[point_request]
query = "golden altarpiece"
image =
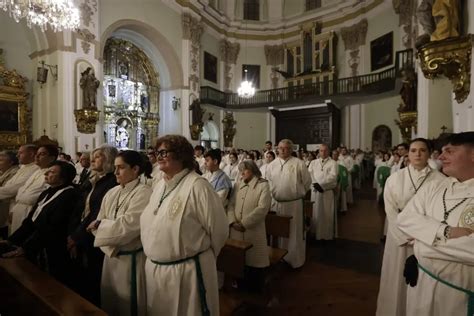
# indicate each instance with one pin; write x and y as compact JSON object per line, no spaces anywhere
{"x":310,"y":61}
{"x":131,"y":96}
{"x":15,"y":118}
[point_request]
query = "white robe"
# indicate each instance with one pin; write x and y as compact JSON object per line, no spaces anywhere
{"x":10,"y":188}
{"x":451,"y":260}
{"x":222,"y":193}
{"x":263,"y":170}
{"x":324,"y":221}
{"x":5,"y":203}
{"x":119,"y":231}
{"x":232,"y":171}
{"x":289,"y":182}
{"x":398,"y":191}
{"x":26,"y":198}
{"x":191,"y":220}
{"x":348,"y":162}
{"x":156,"y":175}
{"x":202,"y":164}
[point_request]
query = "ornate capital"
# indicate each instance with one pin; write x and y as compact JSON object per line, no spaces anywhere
{"x":354,"y":36}
{"x":452,"y":58}
{"x":192,"y":28}
{"x":274,"y":54}
{"x":229,"y":51}
{"x":405,"y":10}
{"x":87,"y":38}
{"x":86,"y":120}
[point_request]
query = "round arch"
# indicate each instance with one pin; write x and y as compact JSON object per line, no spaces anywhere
{"x":160,"y":43}
{"x":381,"y":138}
{"x":210,"y":135}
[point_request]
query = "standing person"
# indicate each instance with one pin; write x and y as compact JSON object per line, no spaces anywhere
{"x":324,"y":176}
{"x":30,"y":191}
{"x":183,"y":229}
{"x":232,"y":168}
{"x":440,"y":219}
{"x":346,"y":160}
{"x":117,"y":233}
{"x":268,"y":147}
{"x":8,"y":168}
{"x":289,"y":181}
{"x":80,"y":242}
{"x":399,"y":189}
{"x":269,"y":157}
{"x":82,"y":177}
{"x":42,"y":235}
{"x":198,"y":154}
{"x":156,"y":173}
{"x":219,"y":181}
{"x":248,"y":208}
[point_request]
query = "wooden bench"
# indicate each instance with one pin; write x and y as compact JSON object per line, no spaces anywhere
{"x":276,"y":226}
{"x":26,"y":290}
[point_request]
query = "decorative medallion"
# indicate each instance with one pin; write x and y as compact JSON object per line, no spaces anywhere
{"x":467,"y":217}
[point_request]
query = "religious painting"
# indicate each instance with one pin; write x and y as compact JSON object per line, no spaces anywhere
{"x":252,"y":75}
{"x":381,"y":52}
{"x":9,"y":116}
{"x":381,"y":138}
{"x":210,"y":67}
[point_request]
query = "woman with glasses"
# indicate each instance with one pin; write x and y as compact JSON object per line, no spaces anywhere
{"x":117,"y":233}
{"x":183,"y":228}
{"x":399,"y":189}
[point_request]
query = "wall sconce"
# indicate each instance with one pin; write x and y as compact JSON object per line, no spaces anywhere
{"x":175,"y":103}
{"x":42,"y":72}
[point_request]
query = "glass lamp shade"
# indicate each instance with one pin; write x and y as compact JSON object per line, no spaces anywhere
{"x":246,"y":90}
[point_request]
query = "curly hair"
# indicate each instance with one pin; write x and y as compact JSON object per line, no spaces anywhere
{"x":180,"y":147}
{"x":109,"y":153}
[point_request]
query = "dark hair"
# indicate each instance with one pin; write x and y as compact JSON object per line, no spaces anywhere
{"x":458,"y":139}
{"x":134,"y":158}
{"x":257,"y":154}
{"x":234,"y":154}
{"x":52,"y":150}
{"x":404,"y":145}
{"x":180,"y":147}
{"x":268,"y":142}
{"x":199,"y":147}
{"x":11,"y":156}
{"x":271,"y":153}
{"x":215,"y":154}
{"x":422,"y":140}
{"x":67,"y":172}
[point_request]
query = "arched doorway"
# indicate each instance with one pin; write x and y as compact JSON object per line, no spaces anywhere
{"x":210,"y":135}
{"x":381,"y":138}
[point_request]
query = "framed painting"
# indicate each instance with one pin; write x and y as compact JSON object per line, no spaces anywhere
{"x":210,"y":67}
{"x":14,"y":126}
{"x":381,"y":52}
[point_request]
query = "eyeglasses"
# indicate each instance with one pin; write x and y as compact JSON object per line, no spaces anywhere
{"x":163,"y":153}
{"x":151,"y":153}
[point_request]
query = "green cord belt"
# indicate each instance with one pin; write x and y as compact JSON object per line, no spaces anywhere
{"x":202,"y":289}
{"x":133,"y":282}
{"x":470,"y":304}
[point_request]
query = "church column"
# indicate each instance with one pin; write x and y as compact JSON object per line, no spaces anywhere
{"x":274,"y":55}
{"x":354,"y":37}
{"x":463,"y":113}
{"x":229,"y":53}
{"x":191,"y":43}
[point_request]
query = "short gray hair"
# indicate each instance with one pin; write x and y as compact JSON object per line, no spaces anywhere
{"x":250,"y":165}
{"x":288,"y":142}
{"x":109,"y":153}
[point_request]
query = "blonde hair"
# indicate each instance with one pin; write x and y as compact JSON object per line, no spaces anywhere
{"x":109,"y":153}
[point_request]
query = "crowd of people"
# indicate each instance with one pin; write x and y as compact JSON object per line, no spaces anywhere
{"x":139,"y":233}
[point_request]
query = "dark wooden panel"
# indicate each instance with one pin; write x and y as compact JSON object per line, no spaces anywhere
{"x":309,"y":126}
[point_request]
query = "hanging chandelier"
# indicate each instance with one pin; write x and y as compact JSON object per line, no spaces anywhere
{"x":246,"y":90}
{"x":59,"y":15}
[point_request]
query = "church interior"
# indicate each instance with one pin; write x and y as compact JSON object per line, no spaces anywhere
{"x":366,"y":75}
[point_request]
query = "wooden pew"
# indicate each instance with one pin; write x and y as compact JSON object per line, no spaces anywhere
{"x":276,"y":226}
{"x":26,"y":290}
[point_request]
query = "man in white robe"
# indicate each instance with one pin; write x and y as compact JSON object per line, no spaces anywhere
{"x":28,"y":194}
{"x":399,"y":189}
{"x":440,"y":218}
{"x":26,"y":158}
{"x":289,"y":181}
{"x":324,"y":176}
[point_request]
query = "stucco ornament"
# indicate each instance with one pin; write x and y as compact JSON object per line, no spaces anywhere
{"x":228,"y":53}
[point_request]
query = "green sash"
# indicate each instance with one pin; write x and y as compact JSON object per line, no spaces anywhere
{"x":383,"y":172}
{"x":470,"y":303}
{"x":343,"y":177}
{"x":133,"y":282}
{"x":201,"y":287}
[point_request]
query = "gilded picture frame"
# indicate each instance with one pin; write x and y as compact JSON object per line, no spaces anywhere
{"x":14,"y":124}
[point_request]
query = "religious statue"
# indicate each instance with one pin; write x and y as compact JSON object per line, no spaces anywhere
{"x":229,"y":129}
{"x":122,"y":136}
{"x":408,"y":91}
{"x":439,"y":19}
{"x":196,"y":113}
{"x":89,"y":85}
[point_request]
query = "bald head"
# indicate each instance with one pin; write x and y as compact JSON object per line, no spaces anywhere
{"x":324,"y":151}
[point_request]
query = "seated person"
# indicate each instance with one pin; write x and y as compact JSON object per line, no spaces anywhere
{"x":42,"y":235}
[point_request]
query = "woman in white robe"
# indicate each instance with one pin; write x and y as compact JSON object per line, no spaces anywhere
{"x":232,"y":168}
{"x":183,"y":229}
{"x":399,"y":189}
{"x":269,"y":157}
{"x":117,"y":233}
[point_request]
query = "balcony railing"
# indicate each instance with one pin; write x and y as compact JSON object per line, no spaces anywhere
{"x":366,"y":84}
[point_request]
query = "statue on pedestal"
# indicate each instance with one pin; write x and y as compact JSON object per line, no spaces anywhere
{"x":89,"y":85}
